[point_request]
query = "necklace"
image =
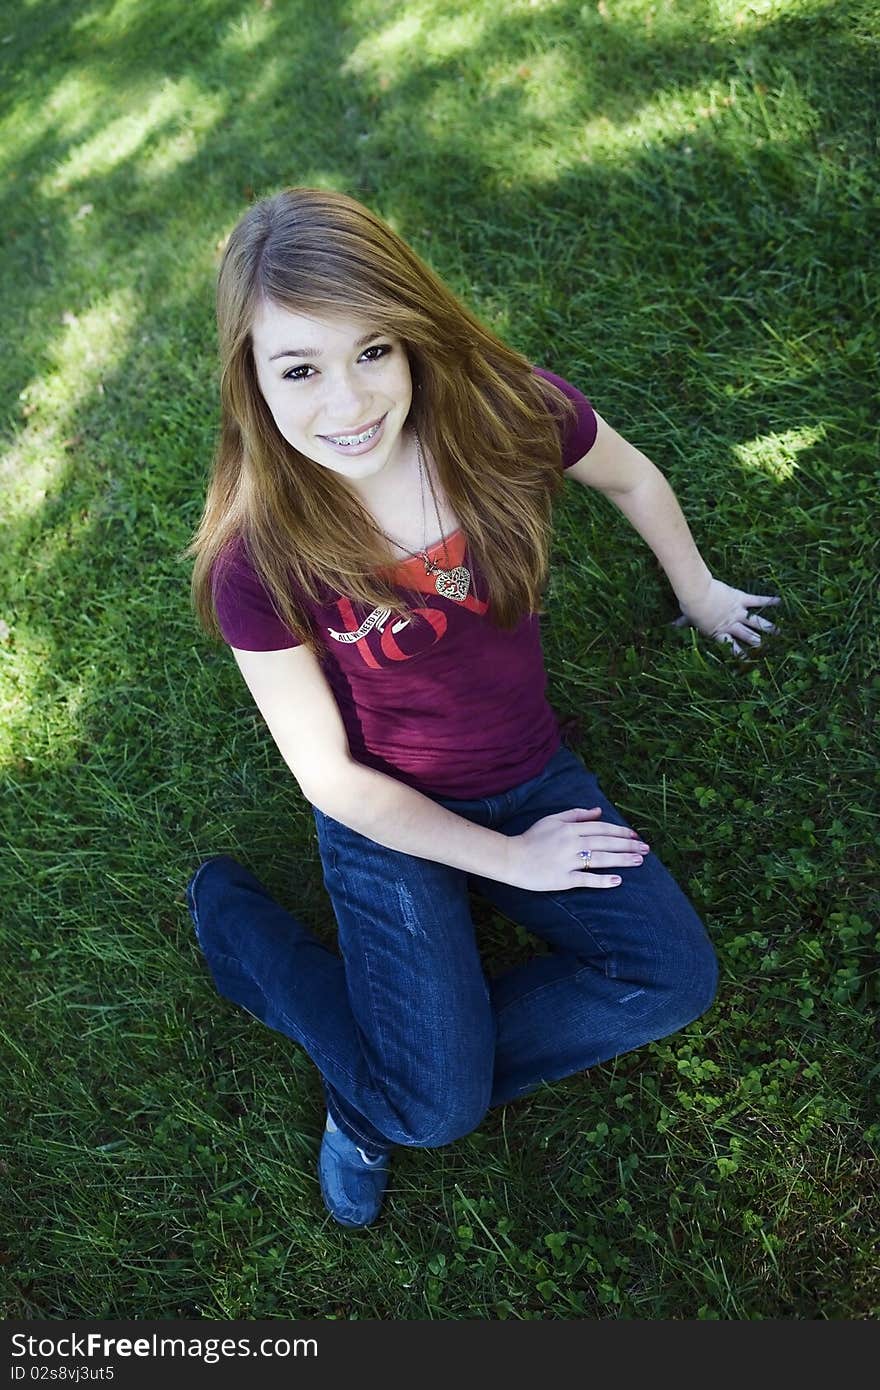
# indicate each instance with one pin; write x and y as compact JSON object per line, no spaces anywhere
{"x":449,"y":583}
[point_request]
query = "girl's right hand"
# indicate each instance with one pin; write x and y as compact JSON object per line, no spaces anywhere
{"x":546,"y":857}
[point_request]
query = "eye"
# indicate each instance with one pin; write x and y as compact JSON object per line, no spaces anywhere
{"x":381,"y":348}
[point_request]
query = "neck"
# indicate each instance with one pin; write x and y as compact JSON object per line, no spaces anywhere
{"x":402,"y":465}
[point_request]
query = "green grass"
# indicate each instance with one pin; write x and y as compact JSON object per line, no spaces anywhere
{"x":673,"y":205}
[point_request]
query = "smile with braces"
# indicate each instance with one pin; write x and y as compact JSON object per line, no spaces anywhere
{"x":350,"y":439}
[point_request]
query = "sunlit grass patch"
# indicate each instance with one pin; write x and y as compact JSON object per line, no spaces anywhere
{"x":85,"y":346}
{"x":776,"y":454}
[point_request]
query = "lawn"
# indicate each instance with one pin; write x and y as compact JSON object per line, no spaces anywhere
{"x":674,"y":206}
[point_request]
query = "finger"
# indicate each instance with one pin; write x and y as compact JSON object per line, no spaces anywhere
{"x":680,"y":622}
{"x":755,"y":620}
{"x":759,"y":599}
{"x":607,"y":830}
{"x":604,"y":852}
{"x":580,"y":880}
{"x":578,"y":813}
{"x":725,"y":637}
{"x":599,"y":860}
{"x":745,"y":634}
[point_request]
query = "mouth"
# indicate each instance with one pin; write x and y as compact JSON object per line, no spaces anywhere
{"x":354,"y":438}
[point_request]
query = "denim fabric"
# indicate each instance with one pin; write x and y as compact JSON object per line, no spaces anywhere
{"x":414,"y":1043}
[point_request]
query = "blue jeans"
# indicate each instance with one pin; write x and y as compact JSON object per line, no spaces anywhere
{"x":414,"y":1043}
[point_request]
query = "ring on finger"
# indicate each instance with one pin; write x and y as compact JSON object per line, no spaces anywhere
{"x":586,"y":855}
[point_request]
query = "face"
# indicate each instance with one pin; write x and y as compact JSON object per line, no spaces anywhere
{"x":328,"y":382}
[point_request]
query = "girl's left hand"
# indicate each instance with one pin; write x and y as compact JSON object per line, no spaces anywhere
{"x":723,"y":613}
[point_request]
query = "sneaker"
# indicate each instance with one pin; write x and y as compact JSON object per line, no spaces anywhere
{"x":352,"y":1185}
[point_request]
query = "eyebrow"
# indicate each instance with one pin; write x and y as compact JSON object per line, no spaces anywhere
{"x":316,"y":352}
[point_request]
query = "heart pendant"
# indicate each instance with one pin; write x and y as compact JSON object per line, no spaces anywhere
{"x":453,"y":583}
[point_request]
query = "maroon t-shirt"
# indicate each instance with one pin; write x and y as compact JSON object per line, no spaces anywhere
{"x":445,"y":702}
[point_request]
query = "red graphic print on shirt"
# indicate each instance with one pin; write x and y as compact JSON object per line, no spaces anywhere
{"x":380,"y":642}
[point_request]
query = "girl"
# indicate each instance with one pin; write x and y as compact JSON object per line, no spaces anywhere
{"x":373,"y":548}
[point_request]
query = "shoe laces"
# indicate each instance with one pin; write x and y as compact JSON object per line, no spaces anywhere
{"x":371,"y":1162}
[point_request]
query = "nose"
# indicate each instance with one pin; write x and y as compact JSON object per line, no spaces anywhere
{"x":344,"y":405}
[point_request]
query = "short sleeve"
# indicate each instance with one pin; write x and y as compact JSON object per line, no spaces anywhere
{"x":245,"y":613}
{"x":578,"y":436}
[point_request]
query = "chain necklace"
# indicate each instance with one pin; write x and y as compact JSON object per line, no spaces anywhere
{"x":450,"y":583}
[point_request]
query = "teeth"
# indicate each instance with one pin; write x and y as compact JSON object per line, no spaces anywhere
{"x":350,"y":439}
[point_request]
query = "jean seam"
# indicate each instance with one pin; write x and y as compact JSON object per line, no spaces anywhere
{"x":380,"y":1096}
{"x":347,"y":1125}
{"x":541,"y":989}
{"x":584,"y":926}
{"x":445,"y":1087}
{"x":376,"y":1015}
{"x":327,"y":853}
{"x":376,"y":1092}
{"x":191,"y":895}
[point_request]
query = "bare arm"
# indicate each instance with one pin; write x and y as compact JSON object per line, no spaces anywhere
{"x":637,"y":488}
{"x":396,"y":815}
{"x":294,"y":698}
{"x":297,"y":704}
{"x":635,"y":485}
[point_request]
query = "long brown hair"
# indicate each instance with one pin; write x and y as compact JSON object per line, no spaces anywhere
{"x":482,"y":415}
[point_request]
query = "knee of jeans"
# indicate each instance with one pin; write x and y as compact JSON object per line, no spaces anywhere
{"x":448,"y":1117}
{"x":695,"y":989}
{"x":207,"y":884}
